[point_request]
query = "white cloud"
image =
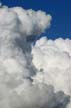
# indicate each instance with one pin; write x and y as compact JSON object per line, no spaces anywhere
{"x":52,"y":58}
{"x":37,"y":76}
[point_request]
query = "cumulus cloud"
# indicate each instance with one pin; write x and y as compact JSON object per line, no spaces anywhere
{"x":55,"y":66}
{"x":32,"y":76}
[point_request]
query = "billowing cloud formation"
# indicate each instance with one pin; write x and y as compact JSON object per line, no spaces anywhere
{"x":32,"y":76}
{"x":55,"y":66}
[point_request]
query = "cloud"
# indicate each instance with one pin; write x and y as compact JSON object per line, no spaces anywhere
{"x":32,"y":76}
{"x":52,"y":58}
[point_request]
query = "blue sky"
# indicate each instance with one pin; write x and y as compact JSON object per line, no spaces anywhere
{"x":59,"y":9}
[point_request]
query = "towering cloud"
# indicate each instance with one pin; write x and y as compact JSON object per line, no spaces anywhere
{"x":32,"y":76}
